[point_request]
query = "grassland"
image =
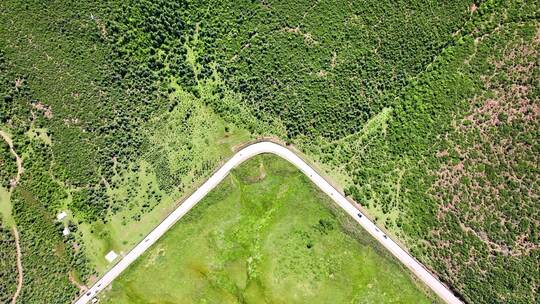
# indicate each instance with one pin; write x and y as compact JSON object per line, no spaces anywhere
{"x":266,"y":235}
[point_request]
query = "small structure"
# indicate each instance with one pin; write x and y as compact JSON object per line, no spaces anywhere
{"x":61,"y":215}
{"x":111,"y":256}
{"x":65,"y":231}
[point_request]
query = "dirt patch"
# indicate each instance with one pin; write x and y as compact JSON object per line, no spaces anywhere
{"x":71,"y":121}
{"x":47,"y":111}
{"x":262,"y":172}
{"x":308,"y":38}
{"x":322,"y":73}
{"x":333,"y":61}
{"x":102,"y":29}
{"x":295,"y":30}
{"x":82,"y":288}
{"x":18,"y":83}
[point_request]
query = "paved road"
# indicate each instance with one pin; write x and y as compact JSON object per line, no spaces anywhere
{"x":268,"y":147}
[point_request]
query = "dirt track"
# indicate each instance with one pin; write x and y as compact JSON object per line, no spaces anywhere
{"x":13,"y":184}
{"x":19,"y":267}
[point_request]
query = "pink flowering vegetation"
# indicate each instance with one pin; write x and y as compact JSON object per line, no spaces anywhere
{"x":488,"y":185}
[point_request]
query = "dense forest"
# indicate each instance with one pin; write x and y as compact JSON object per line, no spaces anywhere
{"x":460,"y":166}
{"x":8,"y":270}
{"x":8,"y":164}
{"x":428,"y":108}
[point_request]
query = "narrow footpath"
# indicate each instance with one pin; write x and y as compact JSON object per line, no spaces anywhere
{"x":13,"y":184}
{"x":18,"y":160}
{"x":19,"y":267}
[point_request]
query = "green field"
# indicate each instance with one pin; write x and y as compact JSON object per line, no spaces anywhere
{"x":266,"y":235}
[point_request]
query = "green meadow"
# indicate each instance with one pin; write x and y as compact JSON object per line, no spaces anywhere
{"x":266,"y":235}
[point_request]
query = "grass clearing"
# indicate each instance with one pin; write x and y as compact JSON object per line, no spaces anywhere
{"x":5,"y":207}
{"x":266,"y":238}
{"x":40,"y":133}
{"x":186,"y":145}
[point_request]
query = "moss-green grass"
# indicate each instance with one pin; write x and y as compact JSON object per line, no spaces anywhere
{"x":5,"y":207}
{"x":266,"y":235}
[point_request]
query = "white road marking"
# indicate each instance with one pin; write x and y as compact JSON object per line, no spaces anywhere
{"x":248,"y":152}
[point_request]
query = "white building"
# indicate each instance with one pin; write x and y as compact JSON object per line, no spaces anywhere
{"x":111,"y":256}
{"x":61,"y":215}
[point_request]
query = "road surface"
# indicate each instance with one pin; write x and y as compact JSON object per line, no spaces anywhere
{"x":246,"y":153}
